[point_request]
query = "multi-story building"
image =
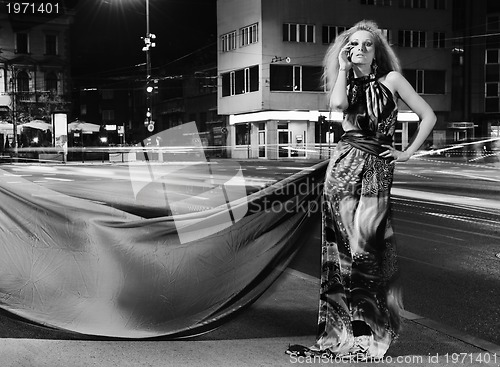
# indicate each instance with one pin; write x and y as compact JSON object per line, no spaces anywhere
{"x":34,"y":61}
{"x":107,"y":103}
{"x":477,"y":63}
{"x":270,"y":65}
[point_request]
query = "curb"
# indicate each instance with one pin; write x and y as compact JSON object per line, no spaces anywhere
{"x":423,"y":321}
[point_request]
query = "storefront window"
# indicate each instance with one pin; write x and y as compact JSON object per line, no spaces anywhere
{"x":242,"y":134}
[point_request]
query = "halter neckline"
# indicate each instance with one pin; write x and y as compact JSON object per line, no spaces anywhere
{"x":363,"y":79}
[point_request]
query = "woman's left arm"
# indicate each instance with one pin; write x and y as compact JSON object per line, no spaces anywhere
{"x":418,"y":105}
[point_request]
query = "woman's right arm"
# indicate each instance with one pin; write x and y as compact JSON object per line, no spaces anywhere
{"x":338,"y":99}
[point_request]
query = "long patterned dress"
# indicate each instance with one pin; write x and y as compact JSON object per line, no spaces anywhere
{"x":359,"y":264}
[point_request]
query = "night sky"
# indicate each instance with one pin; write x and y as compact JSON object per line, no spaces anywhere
{"x":106,"y":34}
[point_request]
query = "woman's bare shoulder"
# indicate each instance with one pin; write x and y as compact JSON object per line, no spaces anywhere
{"x":391,"y":80}
{"x":395,"y":81}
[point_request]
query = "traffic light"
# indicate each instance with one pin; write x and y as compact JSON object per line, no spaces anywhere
{"x":149,"y":41}
{"x":152,"y":86}
{"x":148,"y":121}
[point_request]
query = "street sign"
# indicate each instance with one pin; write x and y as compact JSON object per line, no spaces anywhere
{"x":460,"y":125}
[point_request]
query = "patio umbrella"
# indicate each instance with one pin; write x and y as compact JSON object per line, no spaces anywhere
{"x":6,"y":128}
{"x":83,"y":126}
{"x":38,"y":124}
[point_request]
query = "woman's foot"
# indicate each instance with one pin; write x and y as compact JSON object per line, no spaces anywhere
{"x":298,"y":350}
{"x":360,"y":351}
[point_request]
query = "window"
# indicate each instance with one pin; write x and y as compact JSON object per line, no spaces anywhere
{"x":415,"y":4}
{"x":249,"y":35}
{"x":242,"y":134}
{"x":22,"y":43}
{"x":387,"y":33}
{"x":427,"y":81}
{"x":311,"y":79}
{"x":440,"y":4}
{"x":434,"y":82}
{"x":107,"y":93}
{"x":492,"y":90}
{"x":298,"y":33}
{"x":411,"y":38}
{"x":492,"y":57}
{"x":228,"y":41}
{"x":252,"y":79}
{"x":23,"y":82}
{"x":287,"y":78}
{"x":376,"y":2}
{"x":50,"y":44}
{"x":108,"y":115}
{"x":330,"y":32}
{"x":282,"y":78}
{"x":206,"y":81}
{"x":493,"y":23}
{"x":492,"y":73}
{"x":491,"y":105}
{"x":438,"y":39}
{"x":226,"y":84}
{"x":51,"y":82}
{"x":262,"y":139}
{"x":240,"y":81}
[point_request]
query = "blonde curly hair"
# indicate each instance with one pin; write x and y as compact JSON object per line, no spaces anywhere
{"x":387,"y":60}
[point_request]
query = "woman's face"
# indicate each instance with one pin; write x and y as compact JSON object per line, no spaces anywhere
{"x":363,"y":51}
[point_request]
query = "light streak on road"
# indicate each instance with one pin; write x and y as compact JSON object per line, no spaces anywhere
{"x":447,"y":198}
{"x":441,"y":150}
{"x":468,"y":175}
{"x":59,"y":179}
{"x":446,"y":229}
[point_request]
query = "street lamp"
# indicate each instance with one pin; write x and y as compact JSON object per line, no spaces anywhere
{"x":149,"y":42}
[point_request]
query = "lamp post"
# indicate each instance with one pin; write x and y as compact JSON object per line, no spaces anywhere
{"x":149,"y":42}
{"x":13,"y":81}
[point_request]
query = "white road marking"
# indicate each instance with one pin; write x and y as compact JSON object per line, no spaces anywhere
{"x":58,"y":179}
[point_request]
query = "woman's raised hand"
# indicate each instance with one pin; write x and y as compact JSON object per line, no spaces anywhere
{"x":345,"y":57}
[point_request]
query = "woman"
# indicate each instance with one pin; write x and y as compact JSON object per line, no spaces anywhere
{"x":359,"y":301}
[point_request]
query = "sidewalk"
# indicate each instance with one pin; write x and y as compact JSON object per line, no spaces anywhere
{"x":258,"y":336}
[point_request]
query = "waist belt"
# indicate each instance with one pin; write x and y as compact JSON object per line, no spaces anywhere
{"x":366,"y":141}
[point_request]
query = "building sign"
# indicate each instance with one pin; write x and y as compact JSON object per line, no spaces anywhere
{"x":460,"y":125}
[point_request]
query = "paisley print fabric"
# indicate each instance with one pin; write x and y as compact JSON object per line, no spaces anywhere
{"x":359,"y":264}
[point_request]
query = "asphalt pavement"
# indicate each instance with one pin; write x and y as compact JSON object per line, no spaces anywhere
{"x":257,"y":336}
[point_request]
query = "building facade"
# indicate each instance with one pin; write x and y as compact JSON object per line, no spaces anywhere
{"x":34,"y":64}
{"x":477,"y":61}
{"x":270,"y":65}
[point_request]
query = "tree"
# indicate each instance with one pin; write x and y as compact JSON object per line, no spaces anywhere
{"x":42,"y":109}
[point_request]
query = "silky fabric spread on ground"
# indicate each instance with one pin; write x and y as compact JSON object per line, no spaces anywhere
{"x":358,"y":254}
{"x":80,"y":265}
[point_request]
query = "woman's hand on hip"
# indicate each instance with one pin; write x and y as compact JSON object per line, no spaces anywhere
{"x":396,"y":155}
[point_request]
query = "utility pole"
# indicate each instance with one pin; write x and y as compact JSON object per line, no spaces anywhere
{"x":149,"y":42}
{"x":13,"y":81}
